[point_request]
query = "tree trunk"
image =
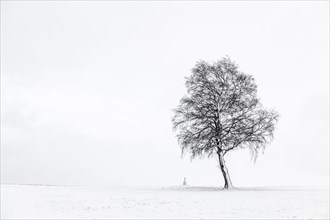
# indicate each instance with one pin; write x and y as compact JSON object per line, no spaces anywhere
{"x":224,"y":170}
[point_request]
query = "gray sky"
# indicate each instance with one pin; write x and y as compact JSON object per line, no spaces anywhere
{"x":88,"y":88}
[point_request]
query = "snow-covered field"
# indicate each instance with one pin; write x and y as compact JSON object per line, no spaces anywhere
{"x":33,"y":202}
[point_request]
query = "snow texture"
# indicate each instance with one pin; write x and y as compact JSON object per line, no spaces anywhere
{"x":42,"y":202}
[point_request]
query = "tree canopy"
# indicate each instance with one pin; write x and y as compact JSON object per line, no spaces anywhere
{"x":221,"y":112}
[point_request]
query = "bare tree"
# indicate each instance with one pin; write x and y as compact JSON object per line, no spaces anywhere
{"x":221,"y":113}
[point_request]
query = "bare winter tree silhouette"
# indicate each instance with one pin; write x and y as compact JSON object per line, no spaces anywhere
{"x":221,"y":113}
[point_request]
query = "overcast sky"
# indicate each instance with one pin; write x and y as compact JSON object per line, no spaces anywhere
{"x":88,"y":88}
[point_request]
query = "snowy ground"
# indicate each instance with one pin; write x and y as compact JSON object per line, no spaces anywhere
{"x":33,"y":202}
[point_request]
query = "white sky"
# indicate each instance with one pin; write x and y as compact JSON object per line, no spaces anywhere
{"x":88,"y":88}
